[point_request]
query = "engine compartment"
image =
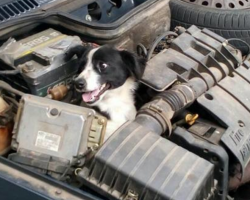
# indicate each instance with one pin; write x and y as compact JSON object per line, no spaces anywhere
{"x":189,"y":140}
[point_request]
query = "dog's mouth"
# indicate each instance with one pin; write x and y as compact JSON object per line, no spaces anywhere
{"x":93,"y":96}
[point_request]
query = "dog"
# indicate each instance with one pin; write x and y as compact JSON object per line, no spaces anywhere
{"x":107,"y":81}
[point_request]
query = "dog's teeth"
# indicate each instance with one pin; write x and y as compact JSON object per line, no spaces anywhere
{"x":102,"y":87}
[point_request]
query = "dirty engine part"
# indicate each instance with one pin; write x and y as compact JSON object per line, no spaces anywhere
{"x":53,"y":137}
{"x":217,"y":74}
{"x":37,"y":61}
{"x":136,"y":163}
{"x":186,"y":73}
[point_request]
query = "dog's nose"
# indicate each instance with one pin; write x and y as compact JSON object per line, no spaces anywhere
{"x":80,"y":84}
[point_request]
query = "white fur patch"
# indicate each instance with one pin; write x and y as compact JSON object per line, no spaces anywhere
{"x":119,"y":104}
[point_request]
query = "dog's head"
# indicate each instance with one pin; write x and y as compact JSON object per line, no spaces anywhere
{"x":102,"y":69}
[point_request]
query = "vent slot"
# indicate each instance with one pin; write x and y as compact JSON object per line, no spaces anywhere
{"x":15,"y":8}
{"x":29,"y":4}
{"x":4,"y":14}
{"x":24,"y":5}
{"x":1,"y":18}
{"x":19,"y":7}
{"x":9,"y":11}
{"x":34,"y":2}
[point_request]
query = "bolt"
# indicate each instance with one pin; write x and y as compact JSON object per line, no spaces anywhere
{"x":131,"y":195}
{"x":217,"y":132}
{"x":88,"y":18}
{"x":54,"y":112}
{"x":29,"y":64}
{"x":58,"y":192}
{"x":28,"y":67}
{"x":101,"y":121}
{"x":95,"y":147}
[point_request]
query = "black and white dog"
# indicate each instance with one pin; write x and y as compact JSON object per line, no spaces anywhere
{"x":107,"y":81}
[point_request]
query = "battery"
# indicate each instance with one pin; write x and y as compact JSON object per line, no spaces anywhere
{"x":41,"y":59}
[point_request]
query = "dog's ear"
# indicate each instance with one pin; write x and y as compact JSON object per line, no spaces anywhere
{"x":135,"y":65}
{"x":78,"y":50}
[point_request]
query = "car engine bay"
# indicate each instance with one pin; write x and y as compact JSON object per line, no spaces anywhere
{"x":189,"y":141}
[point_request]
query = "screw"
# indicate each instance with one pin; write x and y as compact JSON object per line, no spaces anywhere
{"x":217,"y":132}
{"x":88,"y":18}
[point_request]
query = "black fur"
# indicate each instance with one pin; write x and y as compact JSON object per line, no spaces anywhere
{"x":121,"y":64}
{"x":135,"y":65}
{"x":81,"y":53}
{"x":77,"y":50}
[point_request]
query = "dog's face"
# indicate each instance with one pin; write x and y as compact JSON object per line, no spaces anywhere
{"x":103,"y":69}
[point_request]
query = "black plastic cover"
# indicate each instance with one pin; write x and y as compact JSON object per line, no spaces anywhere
{"x":11,"y":9}
{"x":137,"y":160}
{"x":229,"y":103}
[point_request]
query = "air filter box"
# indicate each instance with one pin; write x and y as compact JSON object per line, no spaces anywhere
{"x":135,"y":163}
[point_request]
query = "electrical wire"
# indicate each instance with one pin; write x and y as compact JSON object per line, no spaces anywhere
{"x":10,"y":72}
{"x":7,"y":87}
{"x":240,"y":40}
{"x":158,"y":40}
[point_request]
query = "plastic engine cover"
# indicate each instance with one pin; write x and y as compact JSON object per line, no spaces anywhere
{"x":195,"y":53}
{"x":138,"y":164}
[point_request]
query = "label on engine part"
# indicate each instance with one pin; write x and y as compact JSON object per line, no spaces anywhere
{"x":48,"y":141}
{"x":241,"y":141}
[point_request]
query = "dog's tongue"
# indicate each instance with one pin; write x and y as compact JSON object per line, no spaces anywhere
{"x":90,"y":96}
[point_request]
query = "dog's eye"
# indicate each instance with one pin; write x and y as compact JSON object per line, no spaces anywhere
{"x":102,"y":66}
